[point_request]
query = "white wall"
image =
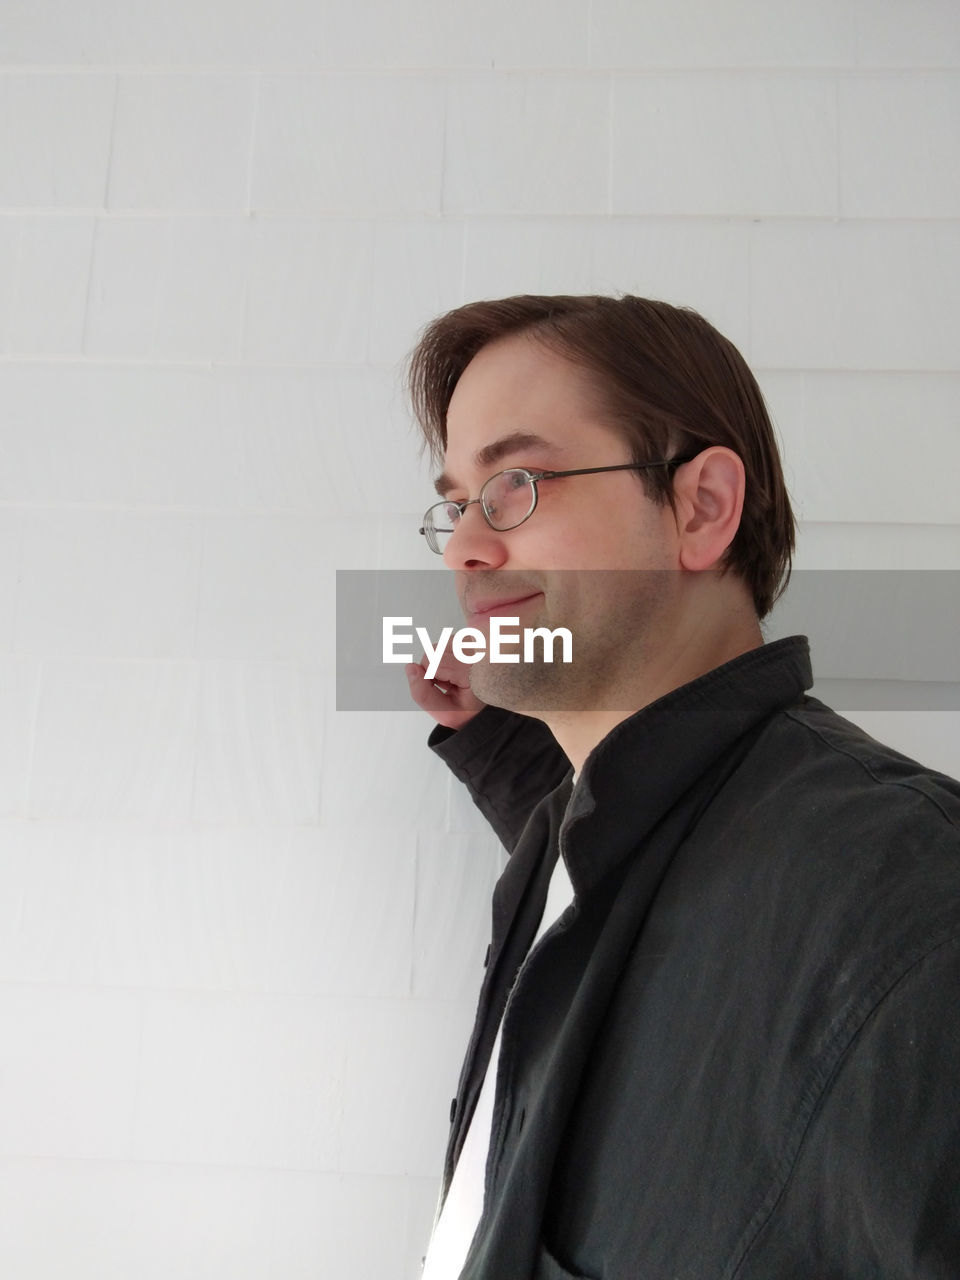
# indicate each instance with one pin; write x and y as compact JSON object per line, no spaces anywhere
{"x":240,"y":934}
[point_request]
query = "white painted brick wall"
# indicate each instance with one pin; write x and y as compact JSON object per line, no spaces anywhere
{"x":310,"y":284}
{"x":55,"y":139}
{"x":11,"y":525}
{"x":49,"y":286}
{"x":181,"y":142}
{"x":527,"y":144}
{"x":752,"y":144}
{"x":70,"y":1062}
{"x":310,"y":130}
{"x":833,"y":425}
{"x":898,"y":143}
{"x":19,"y":687}
{"x":738,"y":34}
{"x":108,"y":583}
{"x":259,"y":744}
{"x":115,"y":739}
{"x":875,"y":295}
{"x":241,"y":934}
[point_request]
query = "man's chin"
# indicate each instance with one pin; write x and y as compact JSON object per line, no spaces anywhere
{"x":527,"y":688}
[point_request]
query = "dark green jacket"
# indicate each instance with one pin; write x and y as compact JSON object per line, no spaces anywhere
{"x":738,"y":1053}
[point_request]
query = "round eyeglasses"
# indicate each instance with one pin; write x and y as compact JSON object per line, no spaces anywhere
{"x":509,"y":498}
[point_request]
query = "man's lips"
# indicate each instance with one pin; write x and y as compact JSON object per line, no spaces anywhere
{"x":488,"y":608}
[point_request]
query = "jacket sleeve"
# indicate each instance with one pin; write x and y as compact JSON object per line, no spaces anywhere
{"x":877,"y":1178}
{"x":508,"y":763}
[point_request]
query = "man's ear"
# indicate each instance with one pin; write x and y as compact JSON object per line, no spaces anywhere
{"x":709,"y":493}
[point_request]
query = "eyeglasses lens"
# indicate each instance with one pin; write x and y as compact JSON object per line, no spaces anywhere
{"x":439,"y":523}
{"x":508,"y":499}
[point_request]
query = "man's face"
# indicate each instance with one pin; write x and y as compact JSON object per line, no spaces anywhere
{"x":518,"y":404}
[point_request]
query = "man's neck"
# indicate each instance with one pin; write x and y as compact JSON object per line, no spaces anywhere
{"x":578,"y":732}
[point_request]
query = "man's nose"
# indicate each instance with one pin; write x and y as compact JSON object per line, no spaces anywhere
{"x":473,"y":544}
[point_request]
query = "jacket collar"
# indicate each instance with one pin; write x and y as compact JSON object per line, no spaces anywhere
{"x":643,"y":767}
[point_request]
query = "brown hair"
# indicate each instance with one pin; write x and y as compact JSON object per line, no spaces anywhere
{"x":668,"y":381}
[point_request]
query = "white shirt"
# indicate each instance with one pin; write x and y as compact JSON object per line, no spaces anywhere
{"x":459,"y":1218}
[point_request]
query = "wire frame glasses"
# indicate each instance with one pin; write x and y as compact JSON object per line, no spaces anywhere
{"x":509,"y":498}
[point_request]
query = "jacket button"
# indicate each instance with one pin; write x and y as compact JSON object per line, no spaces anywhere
{"x":453,"y":1109}
{"x":486,"y":958}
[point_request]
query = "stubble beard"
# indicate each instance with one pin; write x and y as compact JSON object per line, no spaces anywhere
{"x":613,"y":623}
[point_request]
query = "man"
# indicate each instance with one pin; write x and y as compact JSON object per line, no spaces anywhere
{"x":719,"y":1030}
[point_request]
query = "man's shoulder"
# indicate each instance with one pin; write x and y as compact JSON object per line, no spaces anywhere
{"x":832,"y":859}
{"x":831,"y":763}
{"x":820,"y":820}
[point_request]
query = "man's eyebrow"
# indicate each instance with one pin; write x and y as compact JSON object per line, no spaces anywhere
{"x":490,"y":454}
